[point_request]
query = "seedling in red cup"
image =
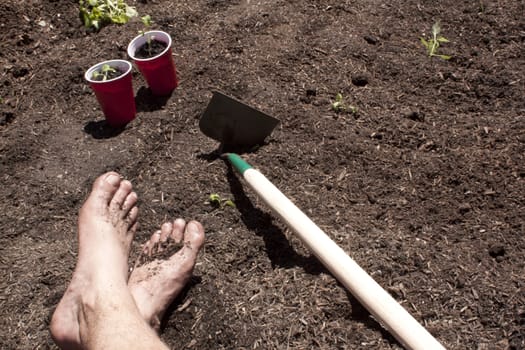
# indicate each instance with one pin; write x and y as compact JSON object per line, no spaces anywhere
{"x":151,"y":52}
{"x":105,"y":73}
{"x":111,"y":82}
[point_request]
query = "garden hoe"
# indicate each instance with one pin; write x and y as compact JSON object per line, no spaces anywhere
{"x":231,"y":122}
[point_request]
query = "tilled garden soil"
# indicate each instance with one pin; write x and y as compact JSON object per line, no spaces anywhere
{"x":421,"y":179}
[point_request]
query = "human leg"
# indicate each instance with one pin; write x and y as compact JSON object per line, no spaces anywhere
{"x":97,"y":310}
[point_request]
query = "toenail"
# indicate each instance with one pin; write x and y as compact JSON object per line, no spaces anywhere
{"x":193,"y":227}
{"x":113,"y":179}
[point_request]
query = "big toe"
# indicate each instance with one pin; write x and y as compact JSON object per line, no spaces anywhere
{"x":194,"y":236}
{"x":105,"y":187}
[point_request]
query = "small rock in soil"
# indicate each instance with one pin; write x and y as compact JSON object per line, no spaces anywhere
{"x":372,"y":40}
{"x":516,"y":340}
{"x":311,"y":92}
{"x":360,"y":79}
{"x":376,"y":135}
{"x":19,"y":72}
{"x":6,"y":118}
{"x":24,"y":40}
{"x":497,"y":250}
{"x":460,"y":282}
{"x":464,"y":208}
{"x":416,"y":116}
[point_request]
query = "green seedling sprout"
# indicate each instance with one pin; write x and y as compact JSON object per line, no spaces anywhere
{"x":219,"y":202}
{"x":98,"y":13}
{"x":147,"y":21}
{"x":339,"y":105}
{"x":432,"y":45}
{"x":104,"y":72}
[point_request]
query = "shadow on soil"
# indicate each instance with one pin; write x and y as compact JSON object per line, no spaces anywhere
{"x":178,"y":300}
{"x":282,"y":254}
{"x":361,"y":314}
{"x":145,"y":101}
{"x":101,"y":130}
{"x":279,"y":250}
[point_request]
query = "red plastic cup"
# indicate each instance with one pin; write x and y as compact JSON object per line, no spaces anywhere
{"x":159,"y":71}
{"x":115,"y":96}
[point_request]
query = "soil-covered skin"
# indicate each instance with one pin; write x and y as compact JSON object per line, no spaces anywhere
{"x":422,"y":182}
{"x":151,"y":49}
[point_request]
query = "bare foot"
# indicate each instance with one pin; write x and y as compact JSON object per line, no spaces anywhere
{"x":155,"y":285}
{"x":106,"y":225}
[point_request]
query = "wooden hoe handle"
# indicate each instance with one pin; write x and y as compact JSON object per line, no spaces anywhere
{"x":411,"y":334}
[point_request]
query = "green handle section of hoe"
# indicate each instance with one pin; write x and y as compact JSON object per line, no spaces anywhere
{"x":238,"y":163}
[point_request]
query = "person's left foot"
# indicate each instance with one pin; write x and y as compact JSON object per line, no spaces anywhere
{"x":106,"y":225}
{"x":155,"y":285}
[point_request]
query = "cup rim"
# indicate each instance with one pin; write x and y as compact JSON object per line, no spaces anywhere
{"x":140,"y":39}
{"x":120,"y":63}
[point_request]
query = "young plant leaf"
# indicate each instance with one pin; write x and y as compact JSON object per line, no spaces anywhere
{"x":229,"y":203}
{"x":218,"y":202}
{"x":97,"y":13}
{"x":146,"y":20}
{"x":432,"y":44}
{"x":215,"y":199}
{"x":338,"y":105}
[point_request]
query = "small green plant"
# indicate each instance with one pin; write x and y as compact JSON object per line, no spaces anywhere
{"x":98,"y":13}
{"x":147,"y":21}
{"x":104,"y":73}
{"x":219,"y":202}
{"x":339,"y":105}
{"x":432,"y":44}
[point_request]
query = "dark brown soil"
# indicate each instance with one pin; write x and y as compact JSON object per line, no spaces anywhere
{"x":151,"y":49}
{"x":422,"y":183}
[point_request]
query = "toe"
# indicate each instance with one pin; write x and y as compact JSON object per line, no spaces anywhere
{"x":186,"y":257}
{"x":120,"y":196}
{"x":132,"y":217}
{"x":194,"y":236}
{"x":105,"y":186}
{"x":165,"y":231}
{"x":150,"y":246}
{"x":178,"y":230}
{"x":129,"y":203}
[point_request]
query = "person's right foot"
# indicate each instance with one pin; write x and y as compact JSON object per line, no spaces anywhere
{"x":156,"y":284}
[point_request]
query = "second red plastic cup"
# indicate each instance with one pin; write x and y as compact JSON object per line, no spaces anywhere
{"x":159,"y":71}
{"x":115,"y":96}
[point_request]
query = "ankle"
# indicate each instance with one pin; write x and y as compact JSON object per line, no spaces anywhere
{"x":64,"y":332}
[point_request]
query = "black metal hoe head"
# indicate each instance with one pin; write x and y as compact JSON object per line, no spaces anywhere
{"x":235,"y":124}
